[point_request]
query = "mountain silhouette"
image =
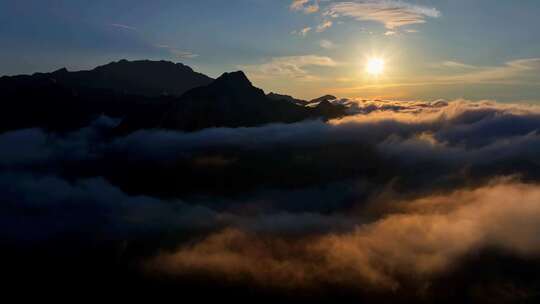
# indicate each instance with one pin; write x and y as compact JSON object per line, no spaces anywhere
{"x":276,"y":96}
{"x":229,"y":101}
{"x":145,"y":95}
{"x":142,"y":77}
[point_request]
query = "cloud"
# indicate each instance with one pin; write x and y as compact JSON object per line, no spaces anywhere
{"x":393,"y":14}
{"x":184,"y":54}
{"x":514,"y":72}
{"x":178,"y":53}
{"x":303,"y":32}
{"x":509,"y":73}
{"x":123,"y":26}
{"x":290,"y":67}
{"x":327,"y":44}
{"x":455,"y":64}
{"x":419,"y":240}
{"x":324,"y":26}
{"x":46,"y":207}
{"x":396,"y":197}
{"x":307,"y":6}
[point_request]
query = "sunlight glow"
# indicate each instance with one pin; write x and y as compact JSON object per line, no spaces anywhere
{"x":375,"y":66}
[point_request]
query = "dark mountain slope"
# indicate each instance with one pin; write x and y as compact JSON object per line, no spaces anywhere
{"x":276,"y":96}
{"x":62,"y":100}
{"x":230,"y":101}
{"x":143,"y":77}
{"x":144,"y":95}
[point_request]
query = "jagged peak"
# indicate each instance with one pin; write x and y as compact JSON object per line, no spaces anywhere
{"x":61,"y":71}
{"x":237,"y":78}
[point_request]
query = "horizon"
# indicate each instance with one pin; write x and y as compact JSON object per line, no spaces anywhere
{"x":433,"y":49}
{"x":532,"y":102}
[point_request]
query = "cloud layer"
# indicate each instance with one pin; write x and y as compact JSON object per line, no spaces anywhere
{"x":400,"y":198}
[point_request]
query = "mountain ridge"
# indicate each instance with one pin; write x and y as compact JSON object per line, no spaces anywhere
{"x":139,"y":77}
{"x":132,"y":91}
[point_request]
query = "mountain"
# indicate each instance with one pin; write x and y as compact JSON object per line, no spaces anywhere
{"x":63,"y":100}
{"x":144,"y":95}
{"x":229,"y":101}
{"x":276,"y":96}
{"x":327,"y":98}
{"x":142,"y":77}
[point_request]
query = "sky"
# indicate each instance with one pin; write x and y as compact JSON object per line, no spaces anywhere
{"x":432,"y":49}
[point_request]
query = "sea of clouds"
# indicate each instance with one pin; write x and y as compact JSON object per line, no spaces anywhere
{"x":400,"y":193}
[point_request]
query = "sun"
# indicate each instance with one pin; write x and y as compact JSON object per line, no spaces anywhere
{"x":375,"y":66}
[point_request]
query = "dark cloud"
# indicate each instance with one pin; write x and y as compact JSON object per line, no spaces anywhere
{"x":42,"y":207}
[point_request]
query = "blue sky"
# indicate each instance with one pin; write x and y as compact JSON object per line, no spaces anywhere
{"x":474,"y":49}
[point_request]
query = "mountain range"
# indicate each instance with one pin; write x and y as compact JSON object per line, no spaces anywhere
{"x":148,"y":95}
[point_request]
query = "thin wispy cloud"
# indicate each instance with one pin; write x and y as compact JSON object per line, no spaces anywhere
{"x":184,"y":54}
{"x":295,"y":67}
{"x":512,"y":72}
{"x":456,"y":64}
{"x":327,"y":44}
{"x":123,"y":26}
{"x":393,"y":14}
{"x":178,"y":53}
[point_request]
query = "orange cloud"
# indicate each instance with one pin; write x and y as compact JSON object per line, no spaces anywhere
{"x":418,"y":239}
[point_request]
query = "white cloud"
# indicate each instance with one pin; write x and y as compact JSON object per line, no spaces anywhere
{"x":511,"y":72}
{"x":289,"y":67}
{"x":393,"y":14}
{"x":456,"y":64}
{"x":303,"y":32}
{"x":327,"y":44}
{"x":307,"y":6}
{"x":178,"y":53}
{"x":183,"y":54}
{"x":123,"y":26}
{"x":323,"y":26}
